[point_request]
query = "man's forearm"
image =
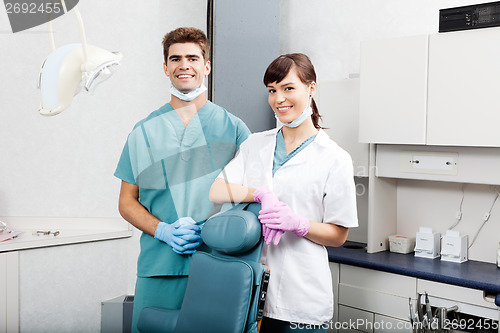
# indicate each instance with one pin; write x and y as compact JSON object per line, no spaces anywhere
{"x":135,"y":213}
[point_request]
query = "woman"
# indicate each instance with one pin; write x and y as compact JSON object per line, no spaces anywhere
{"x":312,"y":177}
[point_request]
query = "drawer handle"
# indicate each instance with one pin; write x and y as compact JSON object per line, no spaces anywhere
{"x":489,"y":297}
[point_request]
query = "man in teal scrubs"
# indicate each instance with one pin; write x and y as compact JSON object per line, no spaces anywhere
{"x":167,"y":166}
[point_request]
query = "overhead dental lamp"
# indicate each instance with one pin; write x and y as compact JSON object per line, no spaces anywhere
{"x":71,"y":69}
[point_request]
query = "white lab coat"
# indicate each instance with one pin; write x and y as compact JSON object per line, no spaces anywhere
{"x":317,"y":183}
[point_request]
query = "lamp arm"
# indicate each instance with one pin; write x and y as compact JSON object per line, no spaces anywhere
{"x":82,"y":36}
{"x":51,"y":37}
{"x":82,"y":33}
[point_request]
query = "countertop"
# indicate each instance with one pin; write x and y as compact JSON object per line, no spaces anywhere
{"x":470,"y":274}
{"x":71,"y":231}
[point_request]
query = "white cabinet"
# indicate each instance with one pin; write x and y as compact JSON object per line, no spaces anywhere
{"x":393,"y":90}
{"x":9,"y":292}
{"x":437,"y":90}
{"x":464,"y":85}
{"x":470,"y":301}
{"x":376,"y":291}
{"x":355,"y":320}
{"x":371,"y":301}
{"x":56,"y":284}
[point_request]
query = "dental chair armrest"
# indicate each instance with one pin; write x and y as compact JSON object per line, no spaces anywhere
{"x":152,"y":320}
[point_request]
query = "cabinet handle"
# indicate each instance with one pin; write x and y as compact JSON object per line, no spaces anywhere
{"x":489,"y":297}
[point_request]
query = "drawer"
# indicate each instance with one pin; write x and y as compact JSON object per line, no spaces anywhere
{"x":354,"y":320}
{"x":456,"y":293}
{"x":387,"y":324}
{"x":388,"y":283}
{"x":374,"y":301}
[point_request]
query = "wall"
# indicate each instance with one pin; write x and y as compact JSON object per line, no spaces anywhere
{"x":330,"y":31}
{"x":435,"y":205}
{"x":64,"y":165}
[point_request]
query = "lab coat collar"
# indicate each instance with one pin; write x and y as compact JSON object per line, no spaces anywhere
{"x":272,"y":131}
{"x":321,"y":138}
{"x":268,"y":148}
{"x":266,"y":154}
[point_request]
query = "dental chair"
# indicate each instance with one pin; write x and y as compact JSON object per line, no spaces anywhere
{"x":226,"y":288}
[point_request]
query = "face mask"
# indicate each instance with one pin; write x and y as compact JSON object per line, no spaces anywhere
{"x":300,"y":119}
{"x":190,"y":95}
{"x":306,"y":113}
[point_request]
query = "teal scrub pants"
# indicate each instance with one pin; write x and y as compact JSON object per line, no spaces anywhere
{"x":161,"y":291}
{"x":270,"y":325}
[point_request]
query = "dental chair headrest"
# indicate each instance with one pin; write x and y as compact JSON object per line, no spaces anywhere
{"x":232,"y":232}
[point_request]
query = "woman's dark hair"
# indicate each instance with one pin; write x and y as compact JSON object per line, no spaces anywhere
{"x":281,"y":66}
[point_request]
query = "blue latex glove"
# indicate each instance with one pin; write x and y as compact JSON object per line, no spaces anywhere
{"x":183,"y":235}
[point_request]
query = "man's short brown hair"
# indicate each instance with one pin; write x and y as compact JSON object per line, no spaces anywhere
{"x":186,"y":35}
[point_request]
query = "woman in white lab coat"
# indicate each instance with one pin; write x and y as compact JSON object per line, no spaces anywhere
{"x":305,"y":183}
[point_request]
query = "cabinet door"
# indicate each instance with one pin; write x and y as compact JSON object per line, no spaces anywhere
{"x":393,"y":90}
{"x":464,"y":85}
{"x":9,"y":292}
{"x":375,"y":291}
{"x":354,"y":320}
{"x":385,"y":324}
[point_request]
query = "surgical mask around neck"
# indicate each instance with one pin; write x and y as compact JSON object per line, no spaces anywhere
{"x":300,"y":119}
{"x":190,"y":95}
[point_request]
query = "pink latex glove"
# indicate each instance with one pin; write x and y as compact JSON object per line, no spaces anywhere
{"x":265,"y":197}
{"x":268,"y":199}
{"x":270,"y":234}
{"x":283,"y":218}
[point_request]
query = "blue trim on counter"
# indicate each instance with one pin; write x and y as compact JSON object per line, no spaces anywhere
{"x":470,"y":274}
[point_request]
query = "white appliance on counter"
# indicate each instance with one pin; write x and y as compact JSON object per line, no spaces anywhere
{"x":427,"y":243}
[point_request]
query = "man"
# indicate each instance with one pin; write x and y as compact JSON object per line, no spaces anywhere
{"x":167,"y":166}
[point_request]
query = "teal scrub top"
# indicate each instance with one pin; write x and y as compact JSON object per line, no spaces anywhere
{"x":174,"y":167}
{"x":280,"y":155}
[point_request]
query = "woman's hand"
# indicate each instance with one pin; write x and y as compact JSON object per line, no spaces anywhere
{"x":282,"y":217}
{"x":268,"y":199}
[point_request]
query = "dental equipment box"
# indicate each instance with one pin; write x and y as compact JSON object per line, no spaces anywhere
{"x":427,"y":243}
{"x":454,"y":247}
{"x":401,"y":244}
